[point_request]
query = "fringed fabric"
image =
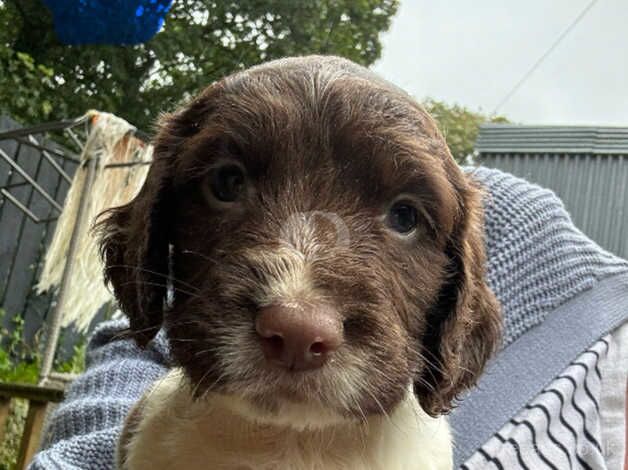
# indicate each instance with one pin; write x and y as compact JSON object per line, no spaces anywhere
{"x":110,"y":141}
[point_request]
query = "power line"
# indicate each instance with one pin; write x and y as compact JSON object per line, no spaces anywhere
{"x":544,"y":56}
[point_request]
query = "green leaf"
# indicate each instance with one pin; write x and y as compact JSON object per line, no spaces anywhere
{"x":459,"y":125}
{"x":186,"y":56}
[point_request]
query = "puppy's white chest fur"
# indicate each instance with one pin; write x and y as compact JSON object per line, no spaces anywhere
{"x":170,"y":430}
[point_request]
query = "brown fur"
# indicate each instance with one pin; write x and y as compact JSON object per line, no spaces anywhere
{"x":316,"y":135}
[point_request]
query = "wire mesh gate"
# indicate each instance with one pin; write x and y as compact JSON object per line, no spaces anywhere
{"x":36,"y":169}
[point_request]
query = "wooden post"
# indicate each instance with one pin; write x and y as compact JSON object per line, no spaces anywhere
{"x":32,"y":432}
{"x":53,"y":328}
{"x":5,"y":404}
{"x":38,"y":398}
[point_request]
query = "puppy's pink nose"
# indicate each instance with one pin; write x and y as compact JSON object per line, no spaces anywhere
{"x":298,"y":337}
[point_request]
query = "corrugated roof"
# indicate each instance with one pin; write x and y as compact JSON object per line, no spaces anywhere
{"x":513,"y":138}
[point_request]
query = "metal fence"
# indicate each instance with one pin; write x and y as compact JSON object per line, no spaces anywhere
{"x":587,"y":167}
{"x":35,"y":174}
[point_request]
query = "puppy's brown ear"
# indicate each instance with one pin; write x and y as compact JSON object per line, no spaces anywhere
{"x":464,"y":326}
{"x":135,"y":238}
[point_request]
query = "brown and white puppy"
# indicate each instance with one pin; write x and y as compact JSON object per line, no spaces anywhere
{"x":327,"y":267}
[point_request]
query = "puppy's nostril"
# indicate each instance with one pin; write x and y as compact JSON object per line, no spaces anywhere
{"x":318,"y":348}
{"x":275,"y":343}
{"x":274,"y":347}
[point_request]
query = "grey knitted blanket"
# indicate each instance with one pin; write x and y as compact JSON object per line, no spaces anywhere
{"x":560,"y":293}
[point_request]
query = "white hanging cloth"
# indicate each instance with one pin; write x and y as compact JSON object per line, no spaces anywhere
{"x":111,"y":140}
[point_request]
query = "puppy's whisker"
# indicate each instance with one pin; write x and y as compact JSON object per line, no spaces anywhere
{"x":384,"y":412}
{"x":186,"y":340}
{"x":426,"y":384}
{"x":154,"y":387}
{"x":157,"y":284}
{"x":435,"y":364}
{"x":204,"y":351}
{"x":363,"y":425}
{"x":210,"y":388}
{"x":201,"y":380}
{"x":130,"y":333}
{"x":156,"y":273}
{"x":200,"y":255}
{"x":186,"y":322}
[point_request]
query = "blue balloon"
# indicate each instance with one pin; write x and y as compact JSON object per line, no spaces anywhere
{"x":107,"y":21}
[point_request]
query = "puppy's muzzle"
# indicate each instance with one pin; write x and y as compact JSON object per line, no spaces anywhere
{"x":298,"y":336}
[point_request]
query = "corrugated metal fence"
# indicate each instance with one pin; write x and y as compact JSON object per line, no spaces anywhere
{"x":587,"y":167}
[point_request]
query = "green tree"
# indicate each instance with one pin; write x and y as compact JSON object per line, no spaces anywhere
{"x":203,"y":40}
{"x":459,"y":125}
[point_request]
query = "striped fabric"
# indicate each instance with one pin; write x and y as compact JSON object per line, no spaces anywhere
{"x":560,"y":428}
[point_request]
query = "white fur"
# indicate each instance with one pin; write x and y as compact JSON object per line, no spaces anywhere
{"x":222,"y":432}
{"x":287,"y":267}
{"x":287,"y":276}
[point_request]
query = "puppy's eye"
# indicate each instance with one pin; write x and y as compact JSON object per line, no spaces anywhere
{"x":402,"y":217}
{"x":227,"y":182}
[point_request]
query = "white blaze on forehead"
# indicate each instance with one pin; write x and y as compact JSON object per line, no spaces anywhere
{"x":299,"y":231}
{"x":288,"y":278}
{"x":285,"y":272}
{"x":286,"y":268}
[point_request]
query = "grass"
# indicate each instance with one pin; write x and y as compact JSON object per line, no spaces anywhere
{"x":20,"y":363}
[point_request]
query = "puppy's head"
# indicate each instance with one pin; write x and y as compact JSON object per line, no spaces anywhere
{"x":323,"y":248}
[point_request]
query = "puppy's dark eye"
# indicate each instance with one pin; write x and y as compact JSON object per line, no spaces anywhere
{"x":402,"y":217}
{"x":227,"y":182}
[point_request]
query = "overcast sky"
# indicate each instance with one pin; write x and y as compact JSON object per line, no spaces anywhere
{"x":473,"y":52}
